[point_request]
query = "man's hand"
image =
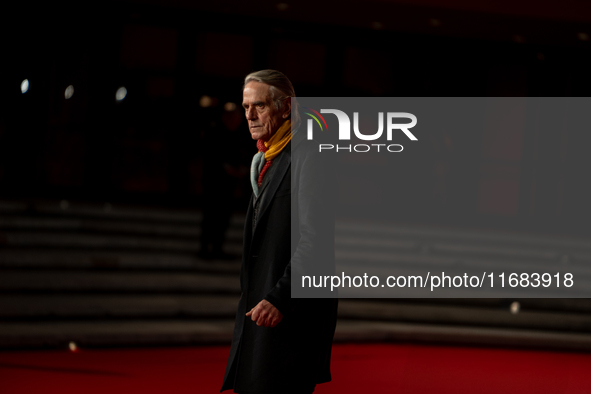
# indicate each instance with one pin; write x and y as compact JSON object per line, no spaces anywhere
{"x":265,"y":314}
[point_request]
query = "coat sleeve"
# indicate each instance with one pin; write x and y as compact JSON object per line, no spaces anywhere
{"x":312,"y":227}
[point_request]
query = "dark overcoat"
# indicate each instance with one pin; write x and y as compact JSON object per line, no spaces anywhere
{"x":294,"y":355}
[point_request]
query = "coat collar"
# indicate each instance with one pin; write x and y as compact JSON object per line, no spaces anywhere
{"x":282,"y":163}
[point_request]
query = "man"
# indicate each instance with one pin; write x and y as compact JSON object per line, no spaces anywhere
{"x":280,"y":344}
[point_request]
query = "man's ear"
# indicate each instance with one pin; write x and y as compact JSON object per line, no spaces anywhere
{"x":287,"y":108}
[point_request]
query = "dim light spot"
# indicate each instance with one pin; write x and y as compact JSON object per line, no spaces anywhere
{"x":121,"y":93}
{"x":205,"y":101}
{"x":25,"y":86}
{"x":69,"y":92}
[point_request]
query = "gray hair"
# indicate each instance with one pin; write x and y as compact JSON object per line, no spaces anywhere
{"x":281,"y":88}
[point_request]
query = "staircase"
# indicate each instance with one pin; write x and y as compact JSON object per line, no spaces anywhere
{"x":108,"y":275}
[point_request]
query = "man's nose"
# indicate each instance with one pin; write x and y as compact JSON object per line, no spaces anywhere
{"x":251,"y":114}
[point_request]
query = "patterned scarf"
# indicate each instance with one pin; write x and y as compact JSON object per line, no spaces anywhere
{"x":267,"y":152}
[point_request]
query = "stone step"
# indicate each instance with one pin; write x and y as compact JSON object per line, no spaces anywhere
{"x":116,"y":281}
{"x":375,"y":264}
{"x":116,"y":333}
{"x":469,"y":315}
{"x":389,"y":259}
{"x":117,"y":306}
{"x":219,"y":331}
{"x":384,"y":231}
{"x":175,"y":305}
{"x":106,"y":210}
{"x":438,"y":254}
{"x":388,"y":241}
{"x":27,"y":239}
{"x":11,"y":207}
{"x":41,"y":257}
{"x":77,"y":225}
{"x":370,"y":233}
{"x":114,"y":211}
{"x":361,"y":331}
{"x":96,"y":259}
{"x":355,"y":239}
{"x":574,"y":305}
{"x":362,"y":244}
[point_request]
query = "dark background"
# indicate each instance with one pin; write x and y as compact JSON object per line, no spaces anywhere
{"x":160,"y":146}
{"x":121,"y":223}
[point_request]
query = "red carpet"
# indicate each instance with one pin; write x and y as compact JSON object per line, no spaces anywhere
{"x":381,"y":368}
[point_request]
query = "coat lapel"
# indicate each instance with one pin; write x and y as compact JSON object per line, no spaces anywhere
{"x":282,"y":162}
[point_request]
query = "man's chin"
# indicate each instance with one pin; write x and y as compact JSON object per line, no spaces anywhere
{"x":257,"y":136}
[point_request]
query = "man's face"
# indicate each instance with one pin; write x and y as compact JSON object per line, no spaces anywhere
{"x":263,"y":118}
